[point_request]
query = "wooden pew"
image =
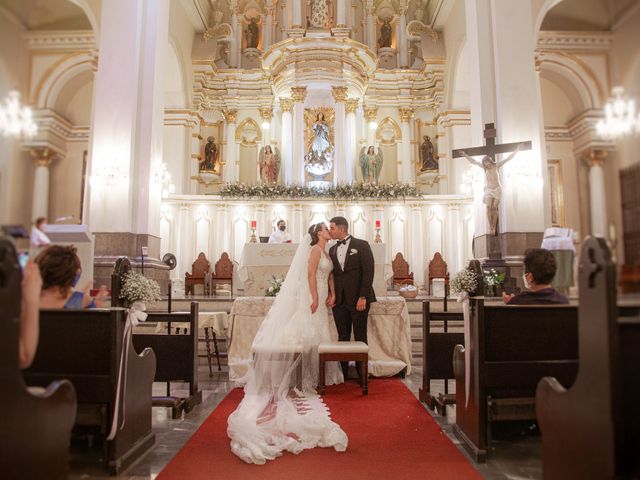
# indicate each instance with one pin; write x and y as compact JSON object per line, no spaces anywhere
{"x":512,"y":348}
{"x":592,"y":430}
{"x":35,"y":430}
{"x":176,"y":355}
{"x":437,"y":351}
{"x":88,"y":347}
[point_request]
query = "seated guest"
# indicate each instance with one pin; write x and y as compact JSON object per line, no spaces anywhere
{"x":60,"y":269}
{"x":539,"y":270}
{"x":280,"y":235}
{"x":38,"y":238}
{"x":29,"y":327}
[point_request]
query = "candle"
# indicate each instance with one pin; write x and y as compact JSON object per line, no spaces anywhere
{"x":253,"y":224}
{"x":377,"y":223}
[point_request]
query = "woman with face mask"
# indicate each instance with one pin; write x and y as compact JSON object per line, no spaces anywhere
{"x":60,"y":270}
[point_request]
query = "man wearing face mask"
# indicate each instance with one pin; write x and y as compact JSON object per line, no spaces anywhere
{"x":539,"y":270}
{"x":280,"y":235}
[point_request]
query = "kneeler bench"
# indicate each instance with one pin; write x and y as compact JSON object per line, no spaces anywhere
{"x":344,"y":352}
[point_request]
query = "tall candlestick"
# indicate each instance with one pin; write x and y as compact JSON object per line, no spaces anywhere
{"x":253,"y":224}
{"x":377,"y":223}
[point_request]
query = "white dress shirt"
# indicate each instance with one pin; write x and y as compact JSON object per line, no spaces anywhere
{"x":38,"y":238}
{"x":280,"y":237}
{"x":341,"y":251}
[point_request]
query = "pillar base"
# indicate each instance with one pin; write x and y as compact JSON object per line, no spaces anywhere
{"x":341,"y":31}
{"x":296,"y":32}
{"x":111,"y":246}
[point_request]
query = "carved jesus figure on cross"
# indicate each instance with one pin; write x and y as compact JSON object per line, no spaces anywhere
{"x":492,"y":189}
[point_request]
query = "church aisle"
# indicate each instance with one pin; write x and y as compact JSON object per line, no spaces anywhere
{"x":516,"y":459}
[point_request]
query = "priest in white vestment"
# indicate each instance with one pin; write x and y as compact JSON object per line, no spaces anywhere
{"x":280,"y":235}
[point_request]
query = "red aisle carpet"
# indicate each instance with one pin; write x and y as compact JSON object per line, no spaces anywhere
{"x":391,"y":436}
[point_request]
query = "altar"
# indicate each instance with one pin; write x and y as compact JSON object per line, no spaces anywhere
{"x":260,"y":262}
{"x":388,"y":332}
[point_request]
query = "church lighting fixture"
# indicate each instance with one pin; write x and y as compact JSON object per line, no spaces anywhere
{"x":621,"y":117}
{"x":373,"y":125}
{"x":266,"y":125}
{"x":16,"y":120}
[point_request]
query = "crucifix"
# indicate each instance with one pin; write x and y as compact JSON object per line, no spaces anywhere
{"x":492,"y":189}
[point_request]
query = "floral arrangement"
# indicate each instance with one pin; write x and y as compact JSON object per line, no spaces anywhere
{"x":138,"y":288}
{"x":493,"y":280}
{"x":274,"y":286}
{"x":465,"y":281}
{"x":343,"y":191}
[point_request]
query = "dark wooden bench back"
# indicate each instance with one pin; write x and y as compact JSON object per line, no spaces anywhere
{"x":120,"y":269}
{"x":86,"y":347}
{"x":35,"y":429}
{"x":592,"y":430}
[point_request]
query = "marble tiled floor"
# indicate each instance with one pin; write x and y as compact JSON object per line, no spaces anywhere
{"x":511,"y":460}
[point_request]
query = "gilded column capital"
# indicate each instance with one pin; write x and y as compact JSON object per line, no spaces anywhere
{"x":370,"y":113}
{"x":405,"y":113}
{"x":351,"y":105}
{"x":42,"y":156}
{"x":595,"y":157}
{"x":339,"y":93}
{"x":286,"y":104}
{"x":266,"y":113}
{"x":230,"y":115}
{"x":298,"y":93}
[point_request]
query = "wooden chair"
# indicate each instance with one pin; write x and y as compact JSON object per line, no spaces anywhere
{"x":199,"y":269}
{"x":592,"y":429}
{"x":36,"y":429}
{"x":400,"y":267}
{"x":223,"y":272}
{"x":438,"y":269}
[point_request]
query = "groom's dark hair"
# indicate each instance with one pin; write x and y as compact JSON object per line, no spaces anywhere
{"x":340,"y":222}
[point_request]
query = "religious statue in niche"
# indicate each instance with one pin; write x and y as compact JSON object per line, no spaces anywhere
{"x":370,"y":164}
{"x":269,"y":163}
{"x":492,"y":188}
{"x":252,"y":33}
{"x":319,"y":14}
{"x":211,"y":162}
{"x":385,"y":34}
{"x":428,"y":158}
{"x":318,"y":161}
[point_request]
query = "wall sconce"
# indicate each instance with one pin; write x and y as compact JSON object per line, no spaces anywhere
{"x":109,"y":176}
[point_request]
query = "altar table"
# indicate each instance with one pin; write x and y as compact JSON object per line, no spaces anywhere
{"x":259,"y":262}
{"x":388,"y":332}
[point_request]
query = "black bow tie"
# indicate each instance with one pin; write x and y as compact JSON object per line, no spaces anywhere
{"x":344,"y":241}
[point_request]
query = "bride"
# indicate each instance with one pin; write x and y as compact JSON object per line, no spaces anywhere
{"x":281,"y":410}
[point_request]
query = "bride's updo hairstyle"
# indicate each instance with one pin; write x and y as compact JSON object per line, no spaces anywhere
{"x":313,"y":231}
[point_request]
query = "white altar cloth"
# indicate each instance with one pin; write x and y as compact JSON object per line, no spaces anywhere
{"x":388,"y":332}
{"x":259,"y":262}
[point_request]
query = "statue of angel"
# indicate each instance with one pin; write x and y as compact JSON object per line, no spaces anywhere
{"x":370,"y":164}
{"x":269,"y":163}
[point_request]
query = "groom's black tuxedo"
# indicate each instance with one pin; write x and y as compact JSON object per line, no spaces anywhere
{"x":351,"y":282}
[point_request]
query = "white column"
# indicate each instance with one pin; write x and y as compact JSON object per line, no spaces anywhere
{"x":127,"y":125}
{"x":403,"y":54}
{"x":267,"y":27}
{"x":297,"y":13}
{"x":299,"y":94}
{"x":415,"y":256}
{"x":370,"y":29}
{"x":286,"y":143}
{"x":40,"y":204}
{"x":264,"y":227}
{"x":234,"y":46}
{"x":222,"y":239}
{"x":339,"y":159}
{"x":597,"y":194}
{"x":341,"y":17}
{"x":351,"y":105}
{"x":297,"y":225}
{"x":230,"y":173}
{"x":453,"y":243}
{"x":407,"y":173}
{"x":237,"y":30}
{"x":370,"y":114}
{"x":184,"y":252}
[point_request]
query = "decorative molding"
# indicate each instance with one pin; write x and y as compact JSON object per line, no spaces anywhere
{"x":370,"y":113}
{"x":595,"y":157}
{"x":351,"y":105}
{"x":230,"y":115}
{"x":69,"y":40}
{"x":339,"y":93}
{"x":554,"y":40}
{"x":42,"y":156}
{"x":299,"y":94}
{"x":266,"y":113}
{"x":405,"y":114}
{"x":286,"y":104}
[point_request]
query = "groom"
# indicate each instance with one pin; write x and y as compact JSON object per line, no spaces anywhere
{"x":353,"y":267}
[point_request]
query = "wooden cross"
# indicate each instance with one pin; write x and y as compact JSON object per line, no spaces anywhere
{"x":490,"y":148}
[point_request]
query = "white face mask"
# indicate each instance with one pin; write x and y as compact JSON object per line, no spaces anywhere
{"x":525,"y":281}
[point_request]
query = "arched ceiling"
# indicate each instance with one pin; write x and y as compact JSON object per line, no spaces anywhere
{"x":587,"y":14}
{"x":46,"y":14}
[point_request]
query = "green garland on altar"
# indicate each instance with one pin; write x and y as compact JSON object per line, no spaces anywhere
{"x":343,"y":191}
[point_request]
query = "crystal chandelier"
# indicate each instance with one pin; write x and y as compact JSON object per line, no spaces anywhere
{"x":620,"y":116}
{"x":16,"y":120}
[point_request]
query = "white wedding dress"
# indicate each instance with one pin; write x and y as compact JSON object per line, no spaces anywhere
{"x":281,"y":410}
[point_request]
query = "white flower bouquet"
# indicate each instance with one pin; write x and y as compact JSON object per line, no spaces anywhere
{"x":138,"y":288}
{"x":464,"y":282}
{"x":274,"y":286}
